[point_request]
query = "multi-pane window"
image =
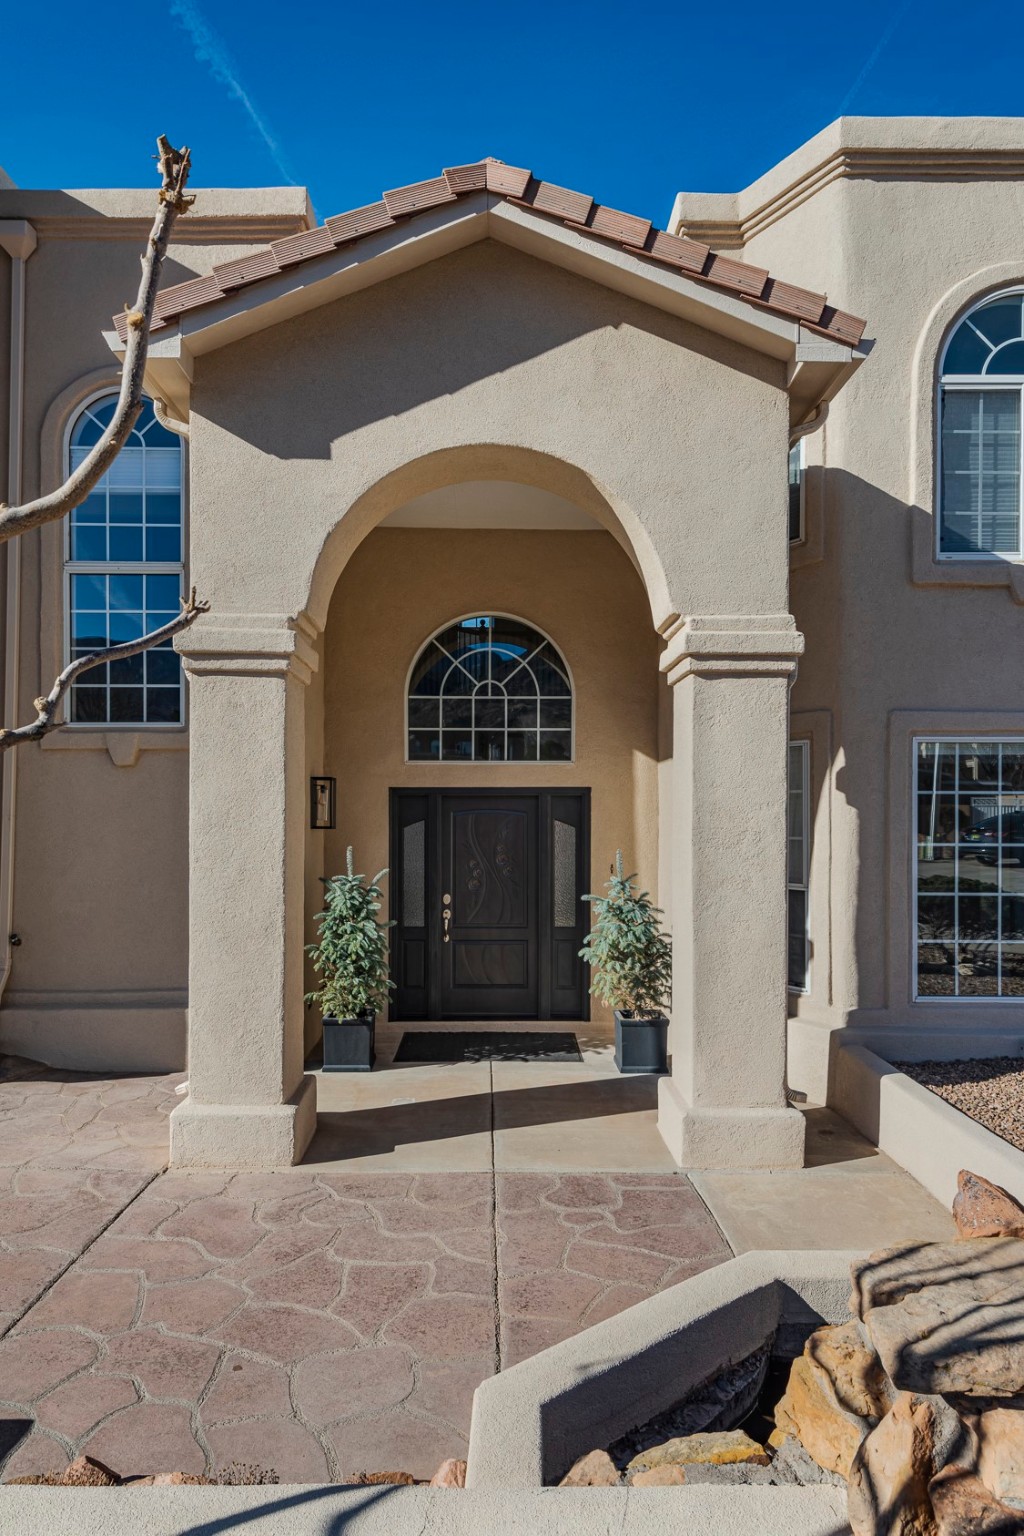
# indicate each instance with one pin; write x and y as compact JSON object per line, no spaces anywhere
{"x":969,"y":868}
{"x":980,"y":411}
{"x":124,"y":572}
{"x":798,"y":863}
{"x":490,"y":689}
{"x":796,"y":492}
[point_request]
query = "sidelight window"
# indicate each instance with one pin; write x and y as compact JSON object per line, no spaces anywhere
{"x":798,"y":861}
{"x":490,"y":689}
{"x":969,"y":869}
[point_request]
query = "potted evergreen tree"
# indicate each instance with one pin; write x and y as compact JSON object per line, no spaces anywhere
{"x":351,"y":959}
{"x":630,"y":959}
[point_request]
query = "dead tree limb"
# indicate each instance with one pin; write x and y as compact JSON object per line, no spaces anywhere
{"x":47,"y":706}
{"x":175,"y":165}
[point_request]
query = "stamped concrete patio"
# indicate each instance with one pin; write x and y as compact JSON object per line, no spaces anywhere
{"x":337,"y":1318}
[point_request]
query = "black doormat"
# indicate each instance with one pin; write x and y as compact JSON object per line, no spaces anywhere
{"x":487,"y":1045}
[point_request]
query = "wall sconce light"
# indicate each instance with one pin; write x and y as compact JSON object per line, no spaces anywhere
{"x":322,"y":804}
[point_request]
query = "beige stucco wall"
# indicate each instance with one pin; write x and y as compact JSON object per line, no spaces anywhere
{"x":924,"y":220}
{"x":101,"y":872}
{"x":403,"y":585}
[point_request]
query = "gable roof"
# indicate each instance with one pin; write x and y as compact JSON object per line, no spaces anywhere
{"x":575,"y":210}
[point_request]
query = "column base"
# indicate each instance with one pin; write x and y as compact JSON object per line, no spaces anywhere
{"x":727,"y":1137}
{"x":250,"y":1136}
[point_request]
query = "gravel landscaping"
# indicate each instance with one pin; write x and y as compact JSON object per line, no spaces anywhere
{"x":990,"y":1089}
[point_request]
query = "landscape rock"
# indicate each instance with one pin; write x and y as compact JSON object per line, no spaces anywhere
{"x":450,"y":1474}
{"x":982,"y":1209}
{"x":987,"y":1267}
{"x":733,"y":1474}
{"x":372,"y":1479}
{"x":178,"y":1479}
{"x":658,"y":1477}
{"x":888,"y":1492}
{"x":952,"y":1338}
{"x":1001,"y":1453}
{"x":727,"y":1446}
{"x":810,"y":1410}
{"x":85,"y":1472}
{"x":594,"y":1470}
{"x":846,"y":1355}
{"x":794,"y":1464}
{"x":963,"y":1506}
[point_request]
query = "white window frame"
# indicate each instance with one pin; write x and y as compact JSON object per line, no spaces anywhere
{"x":976,"y":382}
{"x":800,"y":448}
{"x":118,"y":568}
{"x":803,"y":747}
{"x":430,"y":763}
{"x":956,"y":999}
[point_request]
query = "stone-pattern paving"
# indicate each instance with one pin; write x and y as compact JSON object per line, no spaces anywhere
{"x":327,"y":1324}
{"x":74,"y":1150}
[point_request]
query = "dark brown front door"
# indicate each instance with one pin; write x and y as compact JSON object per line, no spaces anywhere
{"x":486,"y":890}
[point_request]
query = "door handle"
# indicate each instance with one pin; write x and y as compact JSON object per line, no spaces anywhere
{"x":447,"y":917}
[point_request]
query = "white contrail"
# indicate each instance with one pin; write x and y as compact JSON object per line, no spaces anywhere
{"x":875,"y":54}
{"x":209,"y":50}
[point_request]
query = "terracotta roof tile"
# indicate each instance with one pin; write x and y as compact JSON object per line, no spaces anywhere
{"x":234,"y":274}
{"x":751,"y":284}
{"x":545,"y":197}
{"x":361,"y":221}
{"x":422,"y":194}
{"x":467,"y":178}
{"x":507,"y":180}
{"x":619,"y":226}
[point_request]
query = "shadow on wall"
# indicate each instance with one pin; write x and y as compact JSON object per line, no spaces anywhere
{"x":500,"y":307}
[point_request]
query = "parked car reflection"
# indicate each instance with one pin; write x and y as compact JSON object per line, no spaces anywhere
{"x":996,"y":839}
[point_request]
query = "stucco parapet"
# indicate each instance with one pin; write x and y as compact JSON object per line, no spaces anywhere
{"x":258,"y":644}
{"x":720,"y":644}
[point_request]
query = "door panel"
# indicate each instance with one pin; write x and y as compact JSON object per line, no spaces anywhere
{"x":509,"y":868}
{"x":489,"y":867}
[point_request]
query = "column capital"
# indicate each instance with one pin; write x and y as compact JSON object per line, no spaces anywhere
{"x":250,"y":645}
{"x":713,"y":645}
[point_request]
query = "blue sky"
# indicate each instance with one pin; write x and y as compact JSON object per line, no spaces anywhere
{"x":627,"y":102}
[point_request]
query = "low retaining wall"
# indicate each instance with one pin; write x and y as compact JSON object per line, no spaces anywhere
{"x":533,"y":1421}
{"x":319,"y":1510}
{"x":928,"y":1137}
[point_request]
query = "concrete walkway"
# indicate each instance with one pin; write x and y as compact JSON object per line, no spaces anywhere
{"x":337,"y":1318}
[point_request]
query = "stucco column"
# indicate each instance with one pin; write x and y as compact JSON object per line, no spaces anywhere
{"x":725,"y":1103}
{"x":249,"y":1103}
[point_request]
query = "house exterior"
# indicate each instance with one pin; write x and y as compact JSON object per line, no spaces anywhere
{"x":530,"y":532}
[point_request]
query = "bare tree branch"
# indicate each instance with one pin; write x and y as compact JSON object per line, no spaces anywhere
{"x":175,"y":165}
{"x":47,"y":707}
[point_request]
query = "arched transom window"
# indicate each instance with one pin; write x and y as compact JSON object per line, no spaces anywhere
{"x":980,"y":459}
{"x":124,"y":572}
{"x":490,"y":689}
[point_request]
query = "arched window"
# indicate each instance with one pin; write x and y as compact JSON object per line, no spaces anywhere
{"x":490,"y":689}
{"x":982,"y":380}
{"x":124,"y":572}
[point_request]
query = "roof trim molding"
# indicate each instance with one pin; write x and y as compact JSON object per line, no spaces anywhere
{"x":926,"y":148}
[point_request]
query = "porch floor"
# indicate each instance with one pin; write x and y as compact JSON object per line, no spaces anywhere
{"x":337,"y":1317}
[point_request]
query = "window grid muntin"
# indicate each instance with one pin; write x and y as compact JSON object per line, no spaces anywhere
{"x":509,"y":734}
{"x":1003,"y":747}
{"x":74,"y":452}
{"x":983,"y":380}
{"x":800,"y":755}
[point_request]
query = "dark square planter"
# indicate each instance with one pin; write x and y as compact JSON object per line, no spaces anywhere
{"x":348,"y":1044}
{"x":641,"y":1045}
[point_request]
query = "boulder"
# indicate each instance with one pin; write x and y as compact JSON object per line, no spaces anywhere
{"x":810,"y":1411}
{"x":888,"y":1490}
{"x":86,"y":1472}
{"x":845,"y":1354}
{"x":450,"y":1474}
{"x":594,"y":1470}
{"x":982,"y":1209}
{"x":963,"y":1506}
{"x":988,"y":1267}
{"x":726,"y":1446}
{"x":793,"y":1463}
{"x":658,"y":1477}
{"x":953,"y":1339}
{"x":1001,"y":1452}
